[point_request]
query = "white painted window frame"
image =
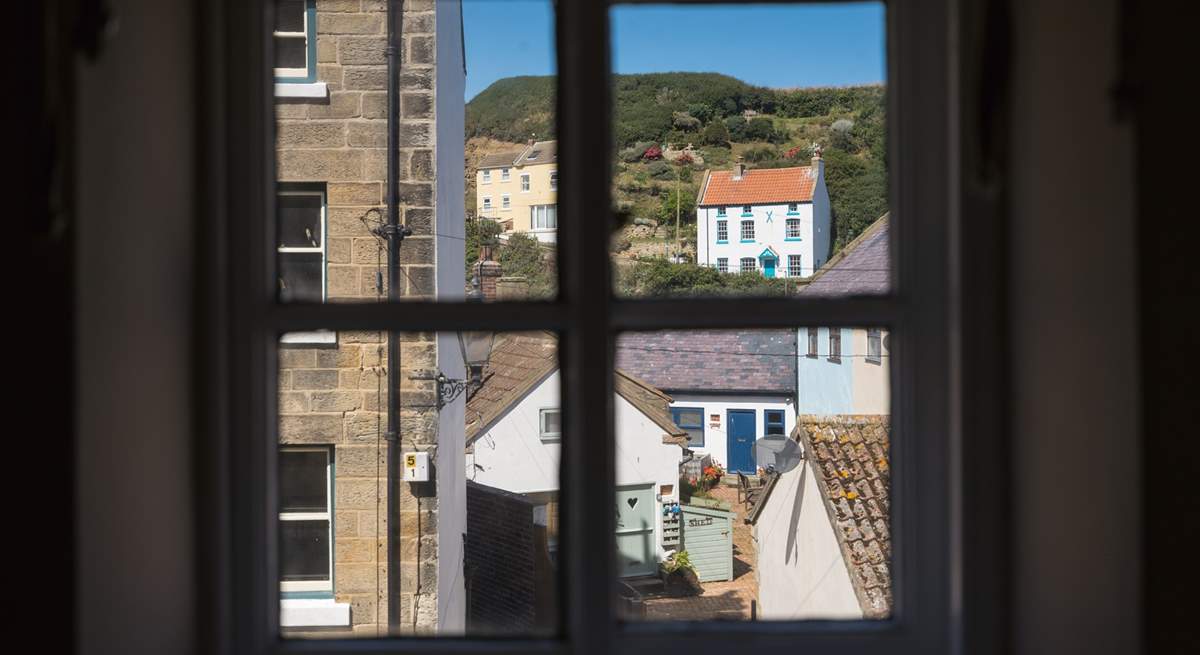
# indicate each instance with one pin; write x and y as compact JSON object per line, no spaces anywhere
{"x":505,"y":175}
{"x":485,"y":176}
{"x":549,"y":437}
{"x":327,"y":516}
{"x":723,"y":264}
{"x":742,"y":229}
{"x":316,"y":337}
{"x":505,"y":202}
{"x":554,"y":180}
{"x":545,"y":213}
{"x":303,"y":34}
{"x":487,"y":203}
{"x":742,"y":267}
{"x":798,"y":269}
{"x":789,"y":232}
{"x":526,"y":183}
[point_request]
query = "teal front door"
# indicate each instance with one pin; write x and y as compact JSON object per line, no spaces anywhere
{"x":636,"y":550}
{"x":768,"y":266}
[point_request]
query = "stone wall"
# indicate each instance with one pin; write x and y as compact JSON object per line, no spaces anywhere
{"x":336,"y":394}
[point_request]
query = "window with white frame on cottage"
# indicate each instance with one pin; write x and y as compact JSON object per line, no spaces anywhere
{"x":544,"y":217}
{"x":295,"y":41}
{"x":487,"y":176}
{"x":722,"y":231}
{"x":305,"y":520}
{"x":721,"y":211}
{"x":749,"y":264}
{"x":723,"y":264}
{"x":813,"y":341}
{"x":554,"y":180}
{"x":505,"y":202}
{"x":835,"y":344}
{"x":794,"y":269}
{"x":746,"y":210}
{"x":550,"y":422}
{"x":874,"y":346}
{"x":487,"y":203}
{"x":748,"y":230}
{"x":792,"y":208}
{"x":793,"y":228}
{"x":504,"y":175}
{"x":524,"y":183}
{"x":301,"y":242}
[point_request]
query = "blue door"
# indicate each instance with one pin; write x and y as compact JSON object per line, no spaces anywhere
{"x":741,"y":441}
{"x":768,"y":266}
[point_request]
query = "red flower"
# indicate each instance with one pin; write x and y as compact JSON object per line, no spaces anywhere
{"x":653,"y":152}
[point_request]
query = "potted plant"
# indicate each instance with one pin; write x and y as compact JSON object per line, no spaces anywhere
{"x":679,"y":575}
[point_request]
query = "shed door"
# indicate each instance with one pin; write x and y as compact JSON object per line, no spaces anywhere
{"x":708,"y":540}
{"x":636,"y":549}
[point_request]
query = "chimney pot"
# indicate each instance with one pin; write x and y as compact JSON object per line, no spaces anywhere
{"x":739,"y":169}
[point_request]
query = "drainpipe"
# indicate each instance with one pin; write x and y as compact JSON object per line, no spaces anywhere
{"x":395,"y":233}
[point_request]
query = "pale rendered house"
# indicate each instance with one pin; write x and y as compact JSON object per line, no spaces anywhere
{"x":519,"y":190}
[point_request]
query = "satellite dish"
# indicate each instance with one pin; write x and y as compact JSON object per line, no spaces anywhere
{"x":777,"y":453}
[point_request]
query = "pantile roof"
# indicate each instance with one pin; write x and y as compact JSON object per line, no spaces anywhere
{"x":711,"y":360}
{"x":850,"y":455}
{"x":520,"y":361}
{"x":861,"y":268}
{"x":758,"y":186}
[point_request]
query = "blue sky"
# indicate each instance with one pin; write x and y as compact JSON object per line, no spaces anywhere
{"x":767,"y":45}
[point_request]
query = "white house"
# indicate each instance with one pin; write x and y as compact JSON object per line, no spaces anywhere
{"x":728,"y":388}
{"x":844,"y":370}
{"x":822,"y":530}
{"x":514,"y":435}
{"x":775,"y":220}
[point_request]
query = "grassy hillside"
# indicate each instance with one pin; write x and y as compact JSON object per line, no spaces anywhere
{"x":707,"y":110}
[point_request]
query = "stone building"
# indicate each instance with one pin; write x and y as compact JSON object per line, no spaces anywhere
{"x":332,"y":127}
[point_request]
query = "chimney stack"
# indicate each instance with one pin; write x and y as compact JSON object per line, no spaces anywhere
{"x":739,"y":169}
{"x":818,"y":164}
{"x":488,"y":271}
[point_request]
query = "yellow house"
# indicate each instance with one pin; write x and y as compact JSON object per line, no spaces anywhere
{"x":520,"y":190}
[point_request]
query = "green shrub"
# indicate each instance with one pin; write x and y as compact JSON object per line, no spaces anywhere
{"x":660,"y":170}
{"x":715,"y":134}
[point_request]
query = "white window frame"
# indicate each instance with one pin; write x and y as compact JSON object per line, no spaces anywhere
{"x":317,"y":337}
{"x":746,"y":226}
{"x":549,"y":437}
{"x":723,"y":230}
{"x":286,"y":73}
{"x":487,"y":204}
{"x":505,"y":202}
{"x":504,"y":175}
{"x":545,"y":212}
{"x":485,"y":176}
{"x":875,"y":354}
{"x":287,"y":586}
{"x":526,"y":185}
{"x":743,"y":268}
{"x":554,"y":180}
{"x":721,"y":211}
{"x":835,"y":345}
{"x":793,"y":207}
{"x":792,"y":227}
{"x":796,"y":270}
{"x":723,"y":264}
{"x":814,"y":342}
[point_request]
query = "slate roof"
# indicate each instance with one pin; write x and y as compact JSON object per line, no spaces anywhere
{"x":850,"y":454}
{"x":711,"y":360}
{"x":520,"y":361}
{"x":758,"y":186}
{"x":861,"y":268}
{"x":499,"y":160}
{"x":539,"y":153}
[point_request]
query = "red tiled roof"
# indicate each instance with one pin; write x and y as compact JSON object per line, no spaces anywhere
{"x":759,"y":186}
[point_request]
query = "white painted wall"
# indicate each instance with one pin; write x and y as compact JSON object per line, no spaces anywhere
{"x":510,"y":455}
{"x":450,"y":82}
{"x":715,"y":436}
{"x":801,"y":572}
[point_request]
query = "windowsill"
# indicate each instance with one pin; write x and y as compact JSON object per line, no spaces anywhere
{"x":301,"y":90}
{"x":793,"y":239}
{"x":313,"y":613}
{"x":720,"y":242}
{"x":747,"y":241}
{"x":877,"y":362}
{"x":747,"y":216}
{"x":317,"y":337}
{"x":793,"y":213}
{"x":834,"y":360}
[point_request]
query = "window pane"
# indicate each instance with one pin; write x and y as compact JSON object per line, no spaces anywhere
{"x":477,"y":510}
{"x":790,"y":139}
{"x":299,"y":219}
{"x":291,"y":52}
{"x":289,"y":15}
{"x":303,"y":481}
{"x":300,"y":277}
{"x":305,"y":550}
{"x":783,"y":506}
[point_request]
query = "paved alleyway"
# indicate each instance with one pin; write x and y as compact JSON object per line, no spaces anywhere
{"x":720,"y":600}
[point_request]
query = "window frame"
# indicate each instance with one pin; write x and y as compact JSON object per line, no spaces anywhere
{"x":798,"y":268}
{"x":505,"y":202}
{"x":526,"y":183}
{"x":874,"y":335}
{"x":814,"y":342}
{"x":788,"y":224}
{"x":722,"y":228}
{"x":835,"y":345}
{"x":743,"y":268}
{"x":722,"y":264}
{"x":485,"y":176}
{"x":308,"y":74}
{"x":287,"y":587}
{"x":554,"y":180}
{"x":677,"y":411}
{"x":742,"y":230}
{"x":949,"y":561}
{"x":505,"y":174}
{"x":547,"y":209}
{"x":549,"y":437}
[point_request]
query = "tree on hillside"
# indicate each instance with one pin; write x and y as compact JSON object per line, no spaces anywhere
{"x":857,"y":193}
{"x":715,"y":134}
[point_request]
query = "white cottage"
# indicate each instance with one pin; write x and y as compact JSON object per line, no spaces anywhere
{"x":822,"y":530}
{"x":514,"y":435}
{"x":776,"y":221}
